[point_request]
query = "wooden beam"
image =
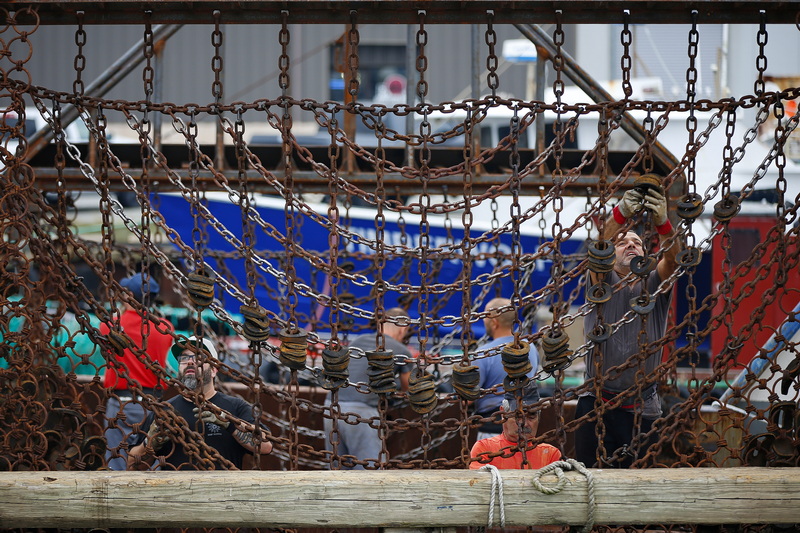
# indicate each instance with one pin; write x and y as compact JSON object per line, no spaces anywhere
{"x":397,"y":498}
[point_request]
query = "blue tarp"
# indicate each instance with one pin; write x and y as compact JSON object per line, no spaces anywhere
{"x":314,"y":237}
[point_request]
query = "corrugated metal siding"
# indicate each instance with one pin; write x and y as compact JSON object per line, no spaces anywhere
{"x":250,"y":64}
{"x":662,"y":52}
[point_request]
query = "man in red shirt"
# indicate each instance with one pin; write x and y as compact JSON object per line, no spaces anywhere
{"x":502,"y":450}
{"x":127,"y":377}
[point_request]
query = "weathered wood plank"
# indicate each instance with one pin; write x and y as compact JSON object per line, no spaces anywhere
{"x":438,"y":498}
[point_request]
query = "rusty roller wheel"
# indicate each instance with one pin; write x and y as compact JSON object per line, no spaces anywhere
{"x":727,"y":208}
{"x":466,"y":381}
{"x":601,"y":249}
{"x":515,"y":359}
{"x":422,"y":392}
{"x":642,"y":265}
{"x":690,"y":206}
{"x":643,"y":304}
{"x":646,"y":182}
{"x":335,"y":368}
{"x":381,"y":371}
{"x":200,"y":287}
{"x":256,"y":324}
{"x":292,"y":351}
{"x":689,"y":257}
{"x":599,"y":293}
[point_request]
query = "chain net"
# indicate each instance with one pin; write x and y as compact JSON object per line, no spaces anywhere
{"x":248,"y":257}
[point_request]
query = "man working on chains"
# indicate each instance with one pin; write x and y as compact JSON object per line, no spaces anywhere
{"x":232,"y":440}
{"x":625,"y":346}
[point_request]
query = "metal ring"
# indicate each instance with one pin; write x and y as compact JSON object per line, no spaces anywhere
{"x":642,"y":265}
{"x":601,"y":249}
{"x":600,"y":333}
{"x":690,"y":206}
{"x":599,"y":293}
{"x":648,"y":181}
{"x":643,"y":304}
{"x":726,"y":209}
{"x":689,"y":257}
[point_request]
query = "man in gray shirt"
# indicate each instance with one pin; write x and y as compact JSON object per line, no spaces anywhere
{"x":362,"y":440}
{"x":626,"y":347}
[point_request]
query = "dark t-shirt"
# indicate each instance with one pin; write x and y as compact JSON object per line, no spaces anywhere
{"x":624,"y":343}
{"x":215,"y":436}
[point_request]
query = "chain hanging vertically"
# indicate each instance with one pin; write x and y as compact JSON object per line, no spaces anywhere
{"x":293,"y":347}
{"x":626,"y":62}
{"x":216,"y":62}
{"x":555,"y":343}
{"x":353,"y":39}
{"x":492,"y":79}
{"x":80,"y":60}
{"x":692,"y":197}
{"x":761,"y":60}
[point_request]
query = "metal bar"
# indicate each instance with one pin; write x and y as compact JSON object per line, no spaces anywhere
{"x":310,"y":182}
{"x":405,"y":12}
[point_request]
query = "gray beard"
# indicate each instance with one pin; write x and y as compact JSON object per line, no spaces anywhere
{"x":190,"y":382}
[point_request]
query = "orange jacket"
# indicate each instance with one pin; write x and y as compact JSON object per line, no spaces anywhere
{"x":540,"y":456}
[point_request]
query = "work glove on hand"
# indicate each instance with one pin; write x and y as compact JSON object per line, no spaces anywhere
{"x":156,"y":438}
{"x":209,"y":416}
{"x":656,"y":203}
{"x":631,"y":203}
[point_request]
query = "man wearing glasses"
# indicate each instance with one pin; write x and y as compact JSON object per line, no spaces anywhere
{"x":201,"y":428}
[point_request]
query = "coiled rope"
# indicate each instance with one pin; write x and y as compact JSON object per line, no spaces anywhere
{"x":558,"y":468}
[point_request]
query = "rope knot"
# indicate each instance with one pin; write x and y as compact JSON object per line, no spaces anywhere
{"x":558,"y":467}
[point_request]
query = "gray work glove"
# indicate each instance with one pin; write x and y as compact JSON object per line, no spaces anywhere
{"x":656,"y":203}
{"x":209,"y":416}
{"x":631,"y":203}
{"x":155,"y":438}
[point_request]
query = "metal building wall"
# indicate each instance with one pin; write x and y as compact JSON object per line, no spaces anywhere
{"x":250,"y":60}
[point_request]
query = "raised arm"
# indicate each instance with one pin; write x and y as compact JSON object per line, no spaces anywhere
{"x":656,"y":203}
{"x":630,"y":205}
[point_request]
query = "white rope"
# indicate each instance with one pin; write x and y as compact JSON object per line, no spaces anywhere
{"x":558,"y":468}
{"x":497,"y":489}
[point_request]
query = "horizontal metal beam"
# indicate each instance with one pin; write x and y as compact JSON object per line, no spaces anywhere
{"x":492,"y":172}
{"x":309,"y":182}
{"x":396,"y":498}
{"x":407,"y":12}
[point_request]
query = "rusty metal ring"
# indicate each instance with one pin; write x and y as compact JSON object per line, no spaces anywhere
{"x":642,"y":265}
{"x":727,"y":208}
{"x":599,"y":293}
{"x":648,"y":181}
{"x":689,"y":257}
{"x":554,"y":339}
{"x":601,"y":249}
{"x":516,"y":383}
{"x":690,"y":206}
{"x":512,"y":351}
{"x":558,"y":364}
{"x":600,"y":333}
{"x":643,"y":304}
